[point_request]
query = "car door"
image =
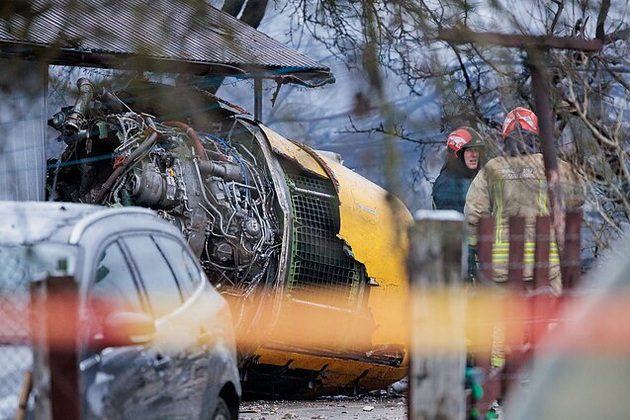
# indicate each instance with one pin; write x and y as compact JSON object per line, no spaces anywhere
{"x":114,"y":378}
{"x":179,"y":360}
{"x":204,"y":323}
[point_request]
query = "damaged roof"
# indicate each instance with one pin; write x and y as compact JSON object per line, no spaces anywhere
{"x":181,"y":36}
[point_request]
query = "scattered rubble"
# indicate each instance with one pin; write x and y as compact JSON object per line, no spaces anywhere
{"x":369,"y":407}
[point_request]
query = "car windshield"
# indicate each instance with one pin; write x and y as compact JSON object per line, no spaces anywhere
{"x":19,"y":266}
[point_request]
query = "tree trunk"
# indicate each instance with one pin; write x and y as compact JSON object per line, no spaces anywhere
{"x":253,"y":12}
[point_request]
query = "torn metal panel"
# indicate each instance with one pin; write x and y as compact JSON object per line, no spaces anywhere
{"x":292,"y":151}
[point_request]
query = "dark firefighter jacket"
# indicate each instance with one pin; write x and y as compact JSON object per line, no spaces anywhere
{"x":451,"y":185}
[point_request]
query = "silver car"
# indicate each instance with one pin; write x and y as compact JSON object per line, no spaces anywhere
{"x":154,"y":340}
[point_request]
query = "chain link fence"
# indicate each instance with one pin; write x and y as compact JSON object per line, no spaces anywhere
{"x":16,"y":355}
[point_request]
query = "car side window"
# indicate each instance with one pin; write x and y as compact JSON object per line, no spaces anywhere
{"x":157,"y":277}
{"x":113,"y":282}
{"x":182,"y":263}
{"x":113,"y":289}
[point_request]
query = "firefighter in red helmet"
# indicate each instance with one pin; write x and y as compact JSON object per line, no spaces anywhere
{"x":515,"y":184}
{"x":464,"y":158}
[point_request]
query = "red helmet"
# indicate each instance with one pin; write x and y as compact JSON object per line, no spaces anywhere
{"x":525,"y":118}
{"x":462,"y":138}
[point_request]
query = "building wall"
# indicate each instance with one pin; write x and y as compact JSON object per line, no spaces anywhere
{"x":23,"y":115}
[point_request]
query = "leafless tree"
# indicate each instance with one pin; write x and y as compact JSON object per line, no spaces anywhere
{"x":478,"y":83}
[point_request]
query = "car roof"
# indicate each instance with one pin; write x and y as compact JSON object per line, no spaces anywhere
{"x":31,"y":221}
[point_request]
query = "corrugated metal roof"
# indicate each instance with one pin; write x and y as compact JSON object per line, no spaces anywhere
{"x":182,"y":35}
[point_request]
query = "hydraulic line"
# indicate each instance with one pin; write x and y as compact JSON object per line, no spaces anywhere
{"x":199,"y":149}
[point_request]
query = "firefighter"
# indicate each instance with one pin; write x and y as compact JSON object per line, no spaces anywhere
{"x":515,"y":184}
{"x":464,"y":156}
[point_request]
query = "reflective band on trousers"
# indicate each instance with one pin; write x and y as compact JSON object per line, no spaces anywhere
{"x":500,"y":252}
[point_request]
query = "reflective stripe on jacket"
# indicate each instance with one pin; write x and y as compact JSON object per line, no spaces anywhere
{"x":500,"y":252}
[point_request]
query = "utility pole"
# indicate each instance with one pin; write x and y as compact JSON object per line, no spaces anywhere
{"x":536,"y":48}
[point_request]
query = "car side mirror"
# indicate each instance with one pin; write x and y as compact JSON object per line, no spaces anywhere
{"x":127,"y":329}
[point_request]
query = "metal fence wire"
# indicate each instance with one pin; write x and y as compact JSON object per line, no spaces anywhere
{"x":16,"y":355}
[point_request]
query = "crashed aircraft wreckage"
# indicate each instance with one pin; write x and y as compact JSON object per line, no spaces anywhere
{"x":309,"y":254}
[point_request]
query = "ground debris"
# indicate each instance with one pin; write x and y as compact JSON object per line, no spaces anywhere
{"x":366,"y":407}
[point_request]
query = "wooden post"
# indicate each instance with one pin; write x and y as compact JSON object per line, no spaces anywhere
{"x":63,"y":359}
{"x":438,"y":347}
{"x":55,"y":318}
{"x":41,"y":369}
{"x":538,"y":299}
{"x":516,"y":259}
{"x":541,"y":254}
{"x":570,"y":261}
{"x":258,"y":93}
{"x":485,"y":239}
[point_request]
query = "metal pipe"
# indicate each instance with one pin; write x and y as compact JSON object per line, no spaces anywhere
{"x":217,"y":214}
{"x":258,"y":99}
{"x":76,"y":117}
{"x":199,"y":149}
{"x":225,"y":170}
{"x":314,"y":193}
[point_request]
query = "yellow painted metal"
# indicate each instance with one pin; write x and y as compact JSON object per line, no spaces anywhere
{"x":293,"y":151}
{"x":374,"y":225}
{"x":338,"y":372}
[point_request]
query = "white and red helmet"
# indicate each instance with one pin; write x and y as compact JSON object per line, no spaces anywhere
{"x":462,"y":138}
{"x":521,"y":117}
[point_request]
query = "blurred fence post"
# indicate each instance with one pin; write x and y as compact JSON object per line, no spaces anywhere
{"x":438,"y":343}
{"x":55,"y":326}
{"x":570,"y":260}
{"x":41,"y":372}
{"x":63,"y":326}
